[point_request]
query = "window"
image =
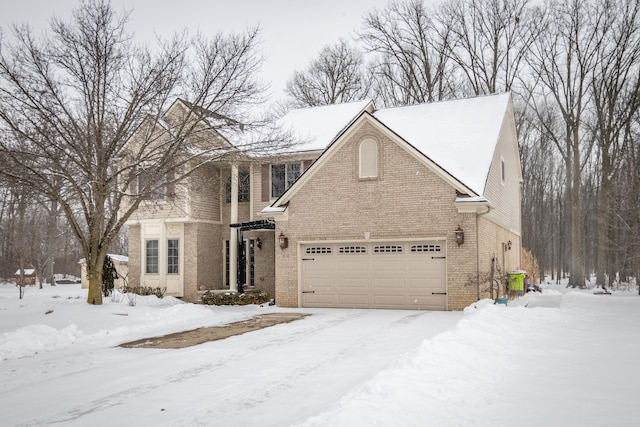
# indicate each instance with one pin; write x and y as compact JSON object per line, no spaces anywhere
{"x":502,"y":170}
{"x":244,"y":187}
{"x":157,"y":190}
{"x":425,"y":248}
{"x":283,"y":175}
{"x":152,"y":257}
{"x":368,"y":159}
{"x":352,"y":250}
{"x":387,"y":249}
{"x":173,"y":259}
{"x":318,"y":250}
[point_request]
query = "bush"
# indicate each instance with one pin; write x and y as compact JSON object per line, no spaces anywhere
{"x":109,"y":276}
{"x":144,"y":290}
{"x":234,"y":298}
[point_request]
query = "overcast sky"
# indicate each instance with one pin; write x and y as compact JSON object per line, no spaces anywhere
{"x":293,"y":31}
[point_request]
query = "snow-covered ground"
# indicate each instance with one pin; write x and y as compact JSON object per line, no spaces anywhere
{"x":561,"y":358}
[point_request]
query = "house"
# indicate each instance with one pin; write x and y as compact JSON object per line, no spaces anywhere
{"x":408,"y":207}
{"x":29,"y":275}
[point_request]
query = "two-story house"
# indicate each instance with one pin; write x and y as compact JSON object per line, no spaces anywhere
{"x":407,"y":207}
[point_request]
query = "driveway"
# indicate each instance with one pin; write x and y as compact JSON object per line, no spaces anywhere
{"x":274,"y":376}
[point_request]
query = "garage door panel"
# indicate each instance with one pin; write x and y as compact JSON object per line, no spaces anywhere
{"x":353,"y":300}
{"x":375,"y":275}
{"x":319,"y":300}
{"x":352,"y":284}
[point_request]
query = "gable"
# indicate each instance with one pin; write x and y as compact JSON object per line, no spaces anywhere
{"x":379,"y":131}
{"x":404,"y":190}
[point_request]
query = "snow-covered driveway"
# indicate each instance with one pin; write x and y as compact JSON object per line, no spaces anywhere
{"x":560,"y":358}
{"x":276,"y":376}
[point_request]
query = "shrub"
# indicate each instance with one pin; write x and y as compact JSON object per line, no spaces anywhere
{"x":234,"y":298}
{"x":109,"y":275}
{"x":144,"y":290}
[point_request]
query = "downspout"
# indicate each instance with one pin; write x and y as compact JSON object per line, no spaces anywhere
{"x":478,"y":248}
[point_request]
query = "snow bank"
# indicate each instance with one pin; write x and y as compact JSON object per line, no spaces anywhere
{"x":33,"y":339}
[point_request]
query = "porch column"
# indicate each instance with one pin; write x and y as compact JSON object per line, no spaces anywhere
{"x":233,"y":237}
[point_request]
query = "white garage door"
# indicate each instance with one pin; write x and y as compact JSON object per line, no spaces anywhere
{"x":397,"y":275}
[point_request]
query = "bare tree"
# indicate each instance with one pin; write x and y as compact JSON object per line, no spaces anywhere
{"x":410,"y":63}
{"x":71,"y":101}
{"x":615,"y":84}
{"x":561,"y":60}
{"x":488,"y":41}
{"x":335,"y":76}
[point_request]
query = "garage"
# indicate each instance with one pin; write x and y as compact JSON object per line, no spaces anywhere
{"x":389,"y":274}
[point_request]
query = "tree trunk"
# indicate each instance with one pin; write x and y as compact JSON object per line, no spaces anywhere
{"x":576,"y":278}
{"x":95,"y":262}
{"x":603,"y":221}
{"x":94,"y":277}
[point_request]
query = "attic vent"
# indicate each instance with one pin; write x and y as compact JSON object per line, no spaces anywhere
{"x":387,"y":249}
{"x":425,"y":248}
{"x":353,"y":250}
{"x":318,"y":250}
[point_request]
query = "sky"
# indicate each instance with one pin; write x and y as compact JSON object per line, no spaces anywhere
{"x":555,"y":359}
{"x":293,"y":31}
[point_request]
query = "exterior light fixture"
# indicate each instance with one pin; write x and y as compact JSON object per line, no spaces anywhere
{"x":283,"y":241}
{"x":459,"y":236}
{"x":509,"y":245}
{"x":259,"y":243}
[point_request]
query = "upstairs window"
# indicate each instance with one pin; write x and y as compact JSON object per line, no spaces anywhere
{"x":157,"y":188}
{"x":283,"y":176}
{"x":244,"y":187}
{"x":368,"y":159}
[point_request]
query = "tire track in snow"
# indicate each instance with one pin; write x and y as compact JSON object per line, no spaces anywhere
{"x":109,"y":401}
{"x":225,"y":410}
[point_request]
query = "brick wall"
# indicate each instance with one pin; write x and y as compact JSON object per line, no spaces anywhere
{"x":407,"y":200}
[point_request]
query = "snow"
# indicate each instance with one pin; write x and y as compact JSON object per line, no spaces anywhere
{"x":316,"y":127}
{"x":459,"y":135}
{"x":114,"y":257}
{"x":558,"y":358}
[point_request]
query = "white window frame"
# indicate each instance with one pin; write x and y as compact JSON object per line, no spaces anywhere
{"x":173,"y":260}
{"x":368,"y":159}
{"x":146,"y":256}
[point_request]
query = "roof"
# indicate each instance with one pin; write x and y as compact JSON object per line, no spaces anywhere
{"x":27,"y":272}
{"x":114,"y":257}
{"x":316,"y":127}
{"x":459,"y":135}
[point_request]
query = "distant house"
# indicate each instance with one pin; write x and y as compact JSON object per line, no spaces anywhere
{"x":29,"y":275}
{"x":407,"y":207}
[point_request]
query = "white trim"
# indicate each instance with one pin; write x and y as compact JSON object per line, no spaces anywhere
{"x":366,"y":155}
{"x":182,"y":220}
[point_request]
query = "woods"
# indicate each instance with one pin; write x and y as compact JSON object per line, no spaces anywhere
{"x":71,"y":100}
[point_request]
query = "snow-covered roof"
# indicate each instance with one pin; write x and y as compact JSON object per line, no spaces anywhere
{"x":27,"y":272}
{"x":316,"y":127}
{"x":114,"y":257}
{"x":459,"y":135}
